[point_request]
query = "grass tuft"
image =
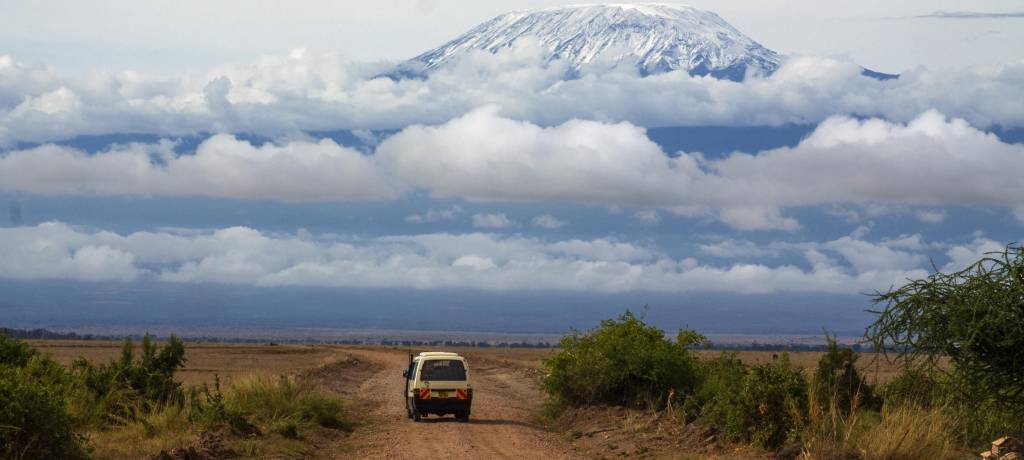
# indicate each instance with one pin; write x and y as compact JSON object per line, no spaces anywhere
{"x":910,"y":432}
{"x":286,"y":405}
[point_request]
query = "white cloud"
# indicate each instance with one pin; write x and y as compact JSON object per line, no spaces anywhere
{"x":757,"y":218}
{"x":865,"y":256}
{"x":734,"y":249}
{"x":240,"y":255}
{"x":912,"y":242}
{"x":928,"y":216}
{"x":963,"y":255}
{"x":56,"y":251}
{"x":1018,"y":213}
{"x":475,"y":262}
{"x":485,"y":157}
{"x":305,"y":91}
{"x":222,"y":166}
{"x":547,"y":221}
{"x":492,"y":221}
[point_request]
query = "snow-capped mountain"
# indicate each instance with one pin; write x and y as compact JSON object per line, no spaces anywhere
{"x":653,"y":37}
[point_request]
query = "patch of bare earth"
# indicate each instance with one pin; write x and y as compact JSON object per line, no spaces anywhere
{"x":504,"y":400}
{"x":617,"y":432}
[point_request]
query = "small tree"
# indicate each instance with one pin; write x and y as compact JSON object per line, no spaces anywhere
{"x":975,"y":317}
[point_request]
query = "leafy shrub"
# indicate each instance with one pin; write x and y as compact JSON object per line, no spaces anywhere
{"x":720,"y":376}
{"x":837,"y":381}
{"x":116,"y":390}
{"x":623,"y":362}
{"x":34,"y":420}
{"x":767,"y":407}
{"x":914,"y":387}
{"x":15,"y":353}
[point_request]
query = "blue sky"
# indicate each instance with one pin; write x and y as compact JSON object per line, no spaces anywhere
{"x":207,"y":163}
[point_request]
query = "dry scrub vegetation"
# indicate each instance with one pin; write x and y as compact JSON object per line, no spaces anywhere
{"x":957,"y":339}
{"x":724,"y":407}
{"x":135,"y":407}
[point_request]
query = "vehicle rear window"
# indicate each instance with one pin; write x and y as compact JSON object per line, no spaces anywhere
{"x":443,"y":369}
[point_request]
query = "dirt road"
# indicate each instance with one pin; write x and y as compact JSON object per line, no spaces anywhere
{"x":503,"y":398}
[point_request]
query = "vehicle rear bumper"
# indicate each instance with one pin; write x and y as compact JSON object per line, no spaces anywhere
{"x":442,"y":405}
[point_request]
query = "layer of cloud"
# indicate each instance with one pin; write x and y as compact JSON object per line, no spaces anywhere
{"x":240,"y":255}
{"x":305,"y":92}
{"x":971,"y":15}
{"x":929,"y":162}
{"x":547,"y":221}
{"x":483,"y":156}
{"x":222,"y":166}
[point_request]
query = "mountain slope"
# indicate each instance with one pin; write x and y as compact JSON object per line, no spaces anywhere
{"x":654,"y":37}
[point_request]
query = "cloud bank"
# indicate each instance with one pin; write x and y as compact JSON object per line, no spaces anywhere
{"x":240,"y":255}
{"x":222,"y":166}
{"x":971,"y":15}
{"x":930,"y":162}
{"x":304,"y":92}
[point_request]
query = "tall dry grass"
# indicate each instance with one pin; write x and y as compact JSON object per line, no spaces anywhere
{"x":830,"y":429}
{"x":163,"y":428}
{"x":898,"y":432}
{"x":286,"y":404}
{"x":276,"y":412}
{"x":908,"y":433}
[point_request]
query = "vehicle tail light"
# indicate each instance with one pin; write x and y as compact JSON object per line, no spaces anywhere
{"x":424,"y":393}
{"x":461,"y":394}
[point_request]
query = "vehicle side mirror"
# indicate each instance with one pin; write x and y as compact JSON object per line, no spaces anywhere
{"x":405,"y":373}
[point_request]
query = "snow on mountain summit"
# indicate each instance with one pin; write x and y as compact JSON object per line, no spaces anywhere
{"x":655,"y":37}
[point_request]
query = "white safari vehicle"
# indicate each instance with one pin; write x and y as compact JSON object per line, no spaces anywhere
{"x":437,"y":383}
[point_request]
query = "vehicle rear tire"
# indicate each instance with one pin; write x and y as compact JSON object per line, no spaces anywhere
{"x":462,"y":417}
{"x":416,"y":417}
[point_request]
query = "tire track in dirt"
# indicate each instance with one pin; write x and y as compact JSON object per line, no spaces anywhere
{"x":498,"y":428}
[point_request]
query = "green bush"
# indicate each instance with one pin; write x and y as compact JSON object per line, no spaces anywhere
{"x":914,"y":387}
{"x":621,"y":362}
{"x":15,"y":353}
{"x":722,"y":375}
{"x":116,"y":390}
{"x":766,"y":405}
{"x":34,"y":419}
{"x":838,"y":381}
